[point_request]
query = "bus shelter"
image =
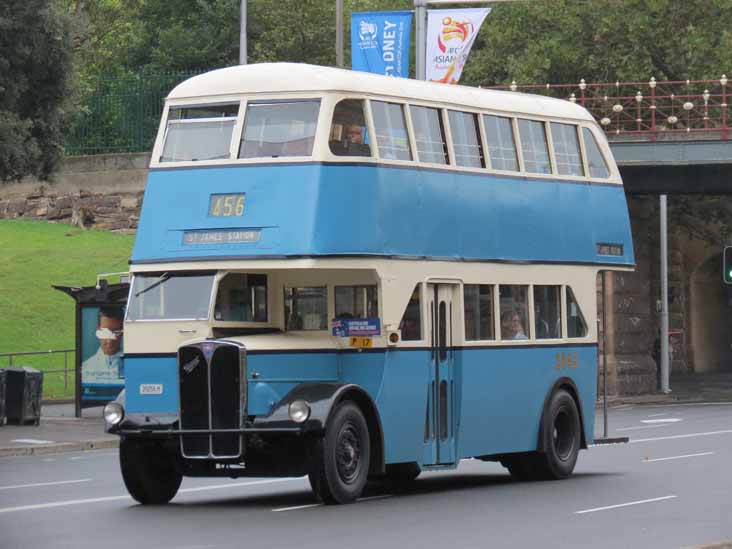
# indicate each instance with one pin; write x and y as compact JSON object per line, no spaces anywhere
{"x":99,"y":342}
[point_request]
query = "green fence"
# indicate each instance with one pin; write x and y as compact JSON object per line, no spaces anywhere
{"x":121,"y":115}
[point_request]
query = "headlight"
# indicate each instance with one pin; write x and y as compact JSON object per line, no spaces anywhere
{"x":114,"y":413}
{"x":299,"y":411}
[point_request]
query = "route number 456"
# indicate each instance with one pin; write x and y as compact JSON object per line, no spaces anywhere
{"x":227,"y":205}
{"x":565,"y":360}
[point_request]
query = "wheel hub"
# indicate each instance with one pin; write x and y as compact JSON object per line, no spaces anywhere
{"x":348,"y":453}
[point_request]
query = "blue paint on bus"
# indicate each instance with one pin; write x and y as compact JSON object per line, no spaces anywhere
{"x":326,"y":209}
{"x":151,"y":370}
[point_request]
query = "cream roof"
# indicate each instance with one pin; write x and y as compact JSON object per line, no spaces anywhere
{"x":299,"y":77}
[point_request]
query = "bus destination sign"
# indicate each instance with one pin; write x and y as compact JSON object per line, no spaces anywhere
{"x":221,"y":236}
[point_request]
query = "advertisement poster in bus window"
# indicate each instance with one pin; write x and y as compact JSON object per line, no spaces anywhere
{"x":102,"y":364}
{"x":450,"y":35}
{"x":380,"y":42}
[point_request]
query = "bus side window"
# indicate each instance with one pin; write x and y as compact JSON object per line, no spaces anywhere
{"x":595,"y":159}
{"x":390,"y":126}
{"x":429,"y":135}
{"x":242,"y":297}
{"x":514,"y":302}
{"x":501,"y":143}
{"x":466,"y":139}
{"x":567,"y":149}
{"x":411,"y":324}
{"x":576,"y":325}
{"x":349,"y":135}
{"x":478,"y":303}
{"x":534,"y":146}
{"x":547,"y":312}
{"x":356,"y":302}
{"x":306,"y":308}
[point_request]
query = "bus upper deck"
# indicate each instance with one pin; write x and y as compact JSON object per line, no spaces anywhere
{"x":288,"y":160}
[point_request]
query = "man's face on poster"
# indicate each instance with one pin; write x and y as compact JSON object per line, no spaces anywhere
{"x":111,"y":329}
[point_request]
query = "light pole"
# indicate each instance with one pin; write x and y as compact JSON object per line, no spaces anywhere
{"x":243,"y":32}
{"x":339,"y":34}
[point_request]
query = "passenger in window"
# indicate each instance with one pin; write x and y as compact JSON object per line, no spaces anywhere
{"x":512,"y":326}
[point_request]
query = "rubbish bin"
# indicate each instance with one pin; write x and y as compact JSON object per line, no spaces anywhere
{"x":23,"y":389}
{"x":2,"y":397}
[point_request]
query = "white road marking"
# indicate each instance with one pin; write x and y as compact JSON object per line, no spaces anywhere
{"x":642,"y":427}
{"x":689,"y":435}
{"x":656,"y":415}
{"x":32,"y":441}
{"x":311,"y":505}
{"x":623,"y":505}
{"x":679,"y":457}
{"x":45,"y":484}
{"x":66,"y":503}
{"x":664,"y":420}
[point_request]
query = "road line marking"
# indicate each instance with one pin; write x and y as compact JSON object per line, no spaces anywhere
{"x":45,"y":484}
{"x":656,"y":415}
{"x":33,"y":441}
{"x":623,"y":505}
{"x":311,"y":505}
{"x":642,"y":427}
{"x":664,"y":420}
{"x":297,"y":507}
{"x":689,"y":435}
{"x":680,"y":457}
{"x":66,"y":503}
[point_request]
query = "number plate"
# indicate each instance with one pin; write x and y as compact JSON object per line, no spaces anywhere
{"x":151,"y":389}
{"x":361,"y":342}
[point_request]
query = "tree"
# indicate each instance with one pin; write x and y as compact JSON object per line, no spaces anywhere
{"x":35,"y":61}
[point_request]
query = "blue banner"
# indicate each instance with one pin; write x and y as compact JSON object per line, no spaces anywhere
{"x":346,"y":327}
{"x":380,"y":42}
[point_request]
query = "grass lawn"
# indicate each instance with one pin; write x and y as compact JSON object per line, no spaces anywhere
{"x":34,"y":316}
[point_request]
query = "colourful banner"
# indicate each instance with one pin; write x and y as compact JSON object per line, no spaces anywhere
{"x":450,"y":35}
{"x":380,"y":42}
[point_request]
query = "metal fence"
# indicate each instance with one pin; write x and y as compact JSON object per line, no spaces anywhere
{"x":651,"y":110}
{"x":121,"y":114}
{"x":69,"y":366}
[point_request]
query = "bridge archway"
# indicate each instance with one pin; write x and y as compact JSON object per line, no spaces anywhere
{"x":711,"y":318}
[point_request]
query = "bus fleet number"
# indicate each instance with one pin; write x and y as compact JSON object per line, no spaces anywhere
{"x":565,"y":360}
{"x":226,"y":205}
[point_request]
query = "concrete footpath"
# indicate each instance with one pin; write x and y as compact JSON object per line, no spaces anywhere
{"x":59,"y":431}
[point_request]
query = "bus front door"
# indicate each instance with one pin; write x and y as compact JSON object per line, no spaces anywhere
{"x":440,"y":417}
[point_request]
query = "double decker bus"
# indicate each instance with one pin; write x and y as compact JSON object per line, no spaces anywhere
{"x":350,"y":276}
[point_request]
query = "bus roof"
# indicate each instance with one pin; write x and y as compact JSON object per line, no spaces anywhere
{"x":300,"y":77}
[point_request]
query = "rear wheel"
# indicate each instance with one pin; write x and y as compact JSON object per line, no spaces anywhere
{"x":148,"y":471}
{"x":340,"y":460}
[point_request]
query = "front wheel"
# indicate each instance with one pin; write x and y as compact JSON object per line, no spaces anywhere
{"x":340,"y":460}
{"x":148,"y":471}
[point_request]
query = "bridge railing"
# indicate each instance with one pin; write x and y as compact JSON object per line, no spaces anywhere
{"x":652,"y":110}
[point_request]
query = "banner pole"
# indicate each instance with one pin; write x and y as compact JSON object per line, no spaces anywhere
{"x":420,"y":44}
{"x":339,"y":34}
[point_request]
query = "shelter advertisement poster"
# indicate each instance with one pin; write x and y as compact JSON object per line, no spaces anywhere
{"x":380,"y":42}
{"x":102,"y":363}
{"x":450,"y":35}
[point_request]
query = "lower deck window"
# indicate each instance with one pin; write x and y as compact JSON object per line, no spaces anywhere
{"x":411,"y":324}
{"x":356,"y":302}
{"x":576,"y":325}
{"x":548,"y":312}
{"x":306,"y":308}
{"x":242,"y":298}
{"x":180,"y":296}
{"x":514,"y":301}
{"x":478,"y":301}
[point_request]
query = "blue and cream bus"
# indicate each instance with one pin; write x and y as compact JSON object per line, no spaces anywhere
{"x":350,"y":276}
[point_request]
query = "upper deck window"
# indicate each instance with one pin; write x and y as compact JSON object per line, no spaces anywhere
{"x":167,"y":296}
{"x":429,"y":135}
{"x":242,"y":298}
{"x":279,"y":128}
{"x":534,"y":146}
{"x":501,"y":143}
{"x":391,"y":131}
{"x":595,"y":159}
{"x":199,"y":133}
{"x":349,"y":135}
{"x":466,"y":139}
{"x":566,"y":149}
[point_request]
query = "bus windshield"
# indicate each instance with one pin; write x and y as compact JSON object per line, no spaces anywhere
{"x":170,"y":296}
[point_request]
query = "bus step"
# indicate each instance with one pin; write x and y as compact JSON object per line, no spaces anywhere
{"x":618,"y":440}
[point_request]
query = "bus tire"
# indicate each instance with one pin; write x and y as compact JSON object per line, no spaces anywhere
{"x":562,"y":438}
{"x":340,"y":459}
{"x":148,"y":471}
{"x":401,"y":475}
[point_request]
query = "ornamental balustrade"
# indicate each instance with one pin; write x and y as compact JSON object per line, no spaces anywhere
{"x":652,"y":110}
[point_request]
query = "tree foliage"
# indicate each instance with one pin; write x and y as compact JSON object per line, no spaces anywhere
{"x":35,"y":62}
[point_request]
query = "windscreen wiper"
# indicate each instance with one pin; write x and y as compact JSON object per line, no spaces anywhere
{"x":162,"y":278}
